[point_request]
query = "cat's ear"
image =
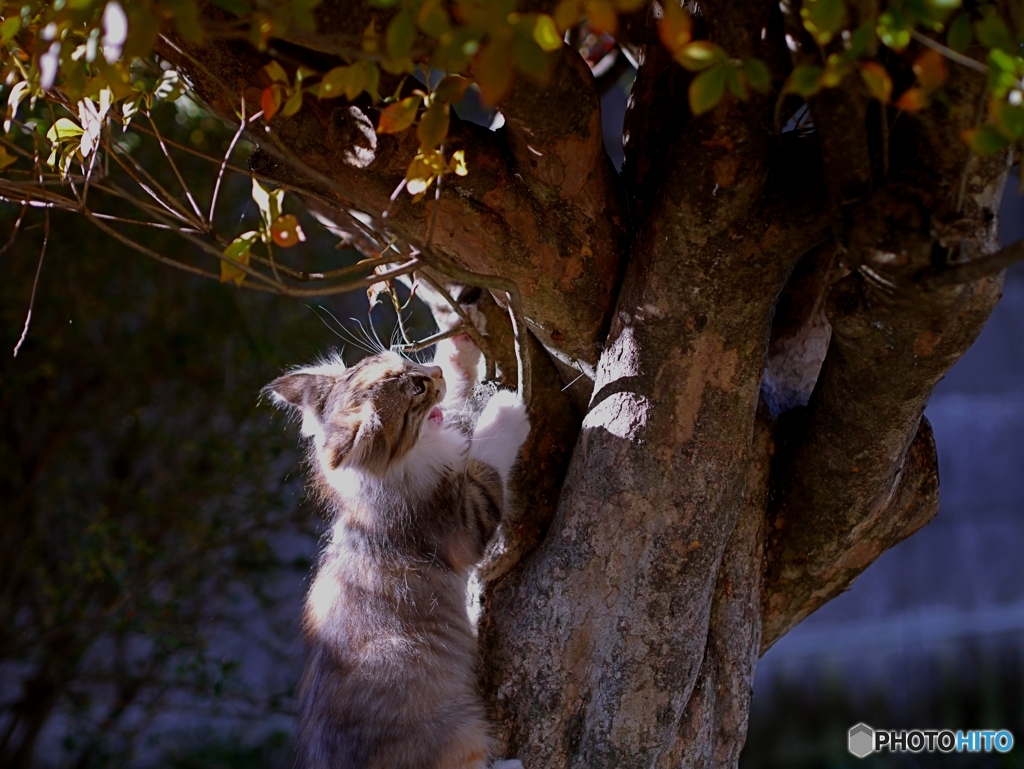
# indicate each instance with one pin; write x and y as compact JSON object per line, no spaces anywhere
{"x":305,"y":391}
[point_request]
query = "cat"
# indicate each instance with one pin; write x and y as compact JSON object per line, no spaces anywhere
{"x":389,"y":679}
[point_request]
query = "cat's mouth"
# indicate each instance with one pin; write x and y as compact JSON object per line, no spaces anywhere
{"x":436,"y":416}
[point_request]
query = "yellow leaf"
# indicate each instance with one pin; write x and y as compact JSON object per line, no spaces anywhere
{"x":545,"y":34}
{"x":356,"y":81}
{"x":293,"y":104}
{"x":603,"y":16}
{"x":676,"y":28}
{"x":457,"y":164}
{"x":276,"y":73}
{"x":396,"y":117}
{"x":332,"y":84}
{"x":433,"y":127}
{"x":877,"y":80}
{"x":7,"y":159}
{"x":700,"y":55}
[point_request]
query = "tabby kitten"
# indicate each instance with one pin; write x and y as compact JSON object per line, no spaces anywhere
{"x":389,"y":679}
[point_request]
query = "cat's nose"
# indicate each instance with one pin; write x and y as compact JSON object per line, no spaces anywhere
{"x":434,"y":372}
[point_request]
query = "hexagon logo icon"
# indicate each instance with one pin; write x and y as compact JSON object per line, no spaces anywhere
{"x":861,"y":740}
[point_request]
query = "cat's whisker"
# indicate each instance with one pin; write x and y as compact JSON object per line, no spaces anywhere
{"x":341,"y":332}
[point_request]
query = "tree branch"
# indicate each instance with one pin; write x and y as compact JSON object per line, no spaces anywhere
{"x":490,"y":222}
{"x":849,"y":482}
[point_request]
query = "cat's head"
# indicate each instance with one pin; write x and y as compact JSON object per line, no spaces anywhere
{"x":367,"y":416}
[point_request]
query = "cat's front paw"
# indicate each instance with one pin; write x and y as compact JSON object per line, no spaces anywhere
{"x":501,"y":431}
{"x":458,"y":355}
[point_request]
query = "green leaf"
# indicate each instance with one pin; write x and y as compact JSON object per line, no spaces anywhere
{"x":707,"y":89}
{"x":805,"y":80}
{"x":9,"y":28}
{"x":893,"y":30}
{"x":1002,"y":72}
{"x":239,"y":251}
{"x":143,"y":30}
{"x":400,"y":35}
{"x":733,"y":81}
{"x":168,"y":87}
{"x":985,"y":140}
{"x":823,"y":18}
{"x":860,"y":40}
{"x":241,"y":245}
{"x":961,"y":33}
{"x":302,"y":13}
{"x":700,"y":55}
{"x":993,"y":33}
{"x":940,"y":10}
{"x":529,"y":57}
{"x":1010,"y":120}
{"x":757,"y":73}
{"x":64,"y":130}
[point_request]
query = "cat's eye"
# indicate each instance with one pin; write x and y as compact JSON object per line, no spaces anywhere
{"x":417,"y":387}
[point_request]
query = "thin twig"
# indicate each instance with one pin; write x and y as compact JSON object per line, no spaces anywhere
{"x":966,"y":272}
{"x":224,"y":163}
{"x":35,"y":284}
{"x":94,"y":218}
{"x":174,"y":168}
{"x":17,"y":226}
{"x":423,"y":344}
{"x":949,"y":53}
{"x":467,"y":326}
{"x":175,"y":210}
{"x":154,"y":225}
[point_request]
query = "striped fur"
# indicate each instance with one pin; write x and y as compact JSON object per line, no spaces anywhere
{"x":389,"y":680}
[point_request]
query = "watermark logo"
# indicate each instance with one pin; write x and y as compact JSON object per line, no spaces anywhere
{"x":862,"y":741}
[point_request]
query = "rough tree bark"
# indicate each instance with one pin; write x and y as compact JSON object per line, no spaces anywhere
{"x":691,"y":520}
